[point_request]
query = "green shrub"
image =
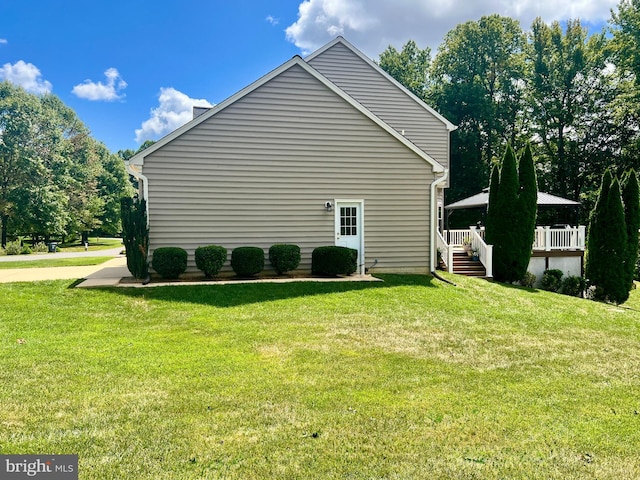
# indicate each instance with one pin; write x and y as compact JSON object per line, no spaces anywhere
{"x":572,"y":285}
{"x":333,"y":260}
{"x":210,"y":259}
{"x":284,"y":257}
{"x":607,"y":252}
{"x":135,"y":235}
{"x":25,"y":250}
{"x":551,"y":280}
{"x":169,"y":262}
{"x":13,"y":248}
{"x":529,"y":280}
{"x":247,"y":261}
{"x":40,"y":247}
{"x":2,"y":252}
{"x":511,"y":216}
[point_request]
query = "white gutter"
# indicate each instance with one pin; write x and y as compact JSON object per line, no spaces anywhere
{"x":434,"y":220}
{"x":145,"y":184}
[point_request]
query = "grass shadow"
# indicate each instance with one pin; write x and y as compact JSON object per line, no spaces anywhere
{"x":230,"y":295}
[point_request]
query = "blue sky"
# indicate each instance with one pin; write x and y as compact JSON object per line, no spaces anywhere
{"x":132,"y":69}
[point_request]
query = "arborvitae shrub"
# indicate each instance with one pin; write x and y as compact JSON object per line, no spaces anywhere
{"x":210,"y":258}
{"x":284,"y":257}
{"x":135,"y":236}
{"x":607,"y":244}
{"x":551,"y":280}
{"x":333,"y":260}
{"x":572,"y":285}
{"x":631,"y":201}
{"x":169,"y":262}
{"x":247,"y":261}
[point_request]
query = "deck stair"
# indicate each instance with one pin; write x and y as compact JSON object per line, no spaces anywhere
{"x":463,"y":264}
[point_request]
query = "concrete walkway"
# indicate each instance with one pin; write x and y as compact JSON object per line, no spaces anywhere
{"x":105,"y":274}
{"x":111,"y":272}
{"x":111,"y":252}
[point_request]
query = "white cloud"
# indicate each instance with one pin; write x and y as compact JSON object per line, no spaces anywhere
{"x":26,"y":75}
{"x":100,"y":91}
{"x":373,"y":25}
{"x":3,"y":41}
{"x":272,"y":20}
{"x":175,"y":109}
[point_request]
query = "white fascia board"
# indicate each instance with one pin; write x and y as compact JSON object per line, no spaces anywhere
{"x":450,"y":126}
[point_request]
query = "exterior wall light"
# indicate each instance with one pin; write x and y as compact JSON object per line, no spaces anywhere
{"x":328,"y":206}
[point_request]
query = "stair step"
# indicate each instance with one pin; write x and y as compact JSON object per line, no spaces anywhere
{"x":463,"y":264}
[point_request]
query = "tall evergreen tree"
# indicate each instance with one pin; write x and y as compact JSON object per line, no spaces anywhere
{"x":607,"y":244}
{"x":597,"y":235}
{"x":631,"y":200}
{"x":135,"y":236}
{"x":528,"y":209}
{"x":494,"y":188}
{"x":502,"y":231}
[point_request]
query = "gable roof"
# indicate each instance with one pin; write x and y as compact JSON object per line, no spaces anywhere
{"x":341,"y":40}
{"x":481,"y":200}
{"x":138,"y":159}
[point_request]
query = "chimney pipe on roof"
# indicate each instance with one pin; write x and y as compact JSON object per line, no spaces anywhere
{"x":197,"y":111}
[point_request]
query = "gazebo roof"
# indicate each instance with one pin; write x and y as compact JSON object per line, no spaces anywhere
{"x":481,"y":200}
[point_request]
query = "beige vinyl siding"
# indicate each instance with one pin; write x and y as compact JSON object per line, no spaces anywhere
{"x":259,"y":173}
{"x":360,"y":80}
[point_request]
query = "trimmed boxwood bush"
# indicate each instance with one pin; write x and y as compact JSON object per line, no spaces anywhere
{"x":209,"y":259}
{"x":247,"y":261}
{"x":284,"y":257}
{"x":551,"y":280}
{"x":333,"y":260}
{"x":169,"y":262}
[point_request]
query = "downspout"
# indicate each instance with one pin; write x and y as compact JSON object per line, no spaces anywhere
{"x":434,"y":220}
{"x":145,"y":186}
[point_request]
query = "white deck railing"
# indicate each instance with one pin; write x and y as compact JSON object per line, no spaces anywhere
{"x":545,"y":238}
{"x":446,"y":251}
{"x":474,"y":236}
{"x":570,"y":238}
{"x":485,"y":252}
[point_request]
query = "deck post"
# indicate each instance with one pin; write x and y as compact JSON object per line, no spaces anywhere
{"x":547,"y":238}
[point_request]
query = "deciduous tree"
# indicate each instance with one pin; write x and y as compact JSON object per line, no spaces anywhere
{"x":478,"y":84}
{"x":410,"y":66}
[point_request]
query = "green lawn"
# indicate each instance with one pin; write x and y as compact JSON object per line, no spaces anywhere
{"x":54,"y":262}
{"x":95,"y":243}
{"x":410,"y":378}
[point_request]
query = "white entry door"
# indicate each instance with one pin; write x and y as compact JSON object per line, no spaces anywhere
{"x":349,"y":227}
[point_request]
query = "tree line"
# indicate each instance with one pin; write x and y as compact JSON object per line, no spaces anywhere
{"x":55,"y":179}
{"x":572,"y":95}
